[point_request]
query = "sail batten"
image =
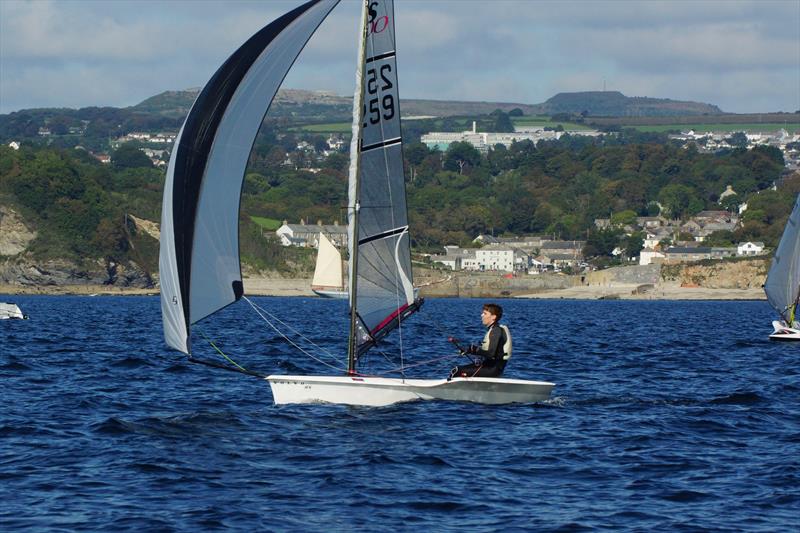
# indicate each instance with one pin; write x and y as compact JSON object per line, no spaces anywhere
{"x":199,"y":257}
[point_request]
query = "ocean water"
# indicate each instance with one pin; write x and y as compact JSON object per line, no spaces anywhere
{"x":667,"y":416}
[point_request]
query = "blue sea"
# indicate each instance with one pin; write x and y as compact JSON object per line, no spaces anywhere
{"x":666,"y":416}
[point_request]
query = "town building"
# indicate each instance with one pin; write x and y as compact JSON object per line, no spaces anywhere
{"x":750,"y":248}
{"x":307,"y":235}
{"x":482,"y":141}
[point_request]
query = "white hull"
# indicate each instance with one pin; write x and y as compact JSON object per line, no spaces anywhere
{"x":783,"y":332}
{"x":377,"y":391}
{"x":330,"y":293}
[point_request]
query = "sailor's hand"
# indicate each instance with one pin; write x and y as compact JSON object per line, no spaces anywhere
{"x":472,"y":349}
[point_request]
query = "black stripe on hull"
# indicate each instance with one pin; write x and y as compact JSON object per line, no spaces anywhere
{"x":198,"y":135}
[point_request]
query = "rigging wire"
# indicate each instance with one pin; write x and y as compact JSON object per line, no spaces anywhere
{"x":261,"y":312}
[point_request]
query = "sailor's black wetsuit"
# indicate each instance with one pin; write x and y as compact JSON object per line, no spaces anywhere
{"x":492,"y":356}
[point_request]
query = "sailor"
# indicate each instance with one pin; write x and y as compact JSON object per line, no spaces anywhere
{"x":495,"y":350}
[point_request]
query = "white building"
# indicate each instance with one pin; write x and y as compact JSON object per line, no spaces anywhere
{"x":749,"y":248}
{"x":648,"y":256}
{"x":495,"y":257}
{"x":307,"y":235}
{"x":441,"y":140}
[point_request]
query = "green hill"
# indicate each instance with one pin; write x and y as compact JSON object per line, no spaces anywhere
{"x":616,"y":104}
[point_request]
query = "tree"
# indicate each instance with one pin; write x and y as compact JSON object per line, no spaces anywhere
{"x":601,"y":242}
{"x":738,"y":139}
{"x":128,"y":155}
{"x":502,"y":122}
{"x":461,"y":155}
{"x":632,"y":244}
{"x":623,"y":218}
{"x":676,"y":199}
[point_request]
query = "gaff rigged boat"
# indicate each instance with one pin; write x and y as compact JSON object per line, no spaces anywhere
{"x":199,"y":260}
{"x":328,"y":281}
{"x":783,"y":280}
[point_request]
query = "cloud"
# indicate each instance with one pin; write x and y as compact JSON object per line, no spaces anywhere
{"x":738,"y":54}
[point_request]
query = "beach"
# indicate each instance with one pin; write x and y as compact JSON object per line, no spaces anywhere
{"x":270,"y":286}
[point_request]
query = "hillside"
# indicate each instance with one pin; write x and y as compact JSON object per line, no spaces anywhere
{"x":300,"y":104}
{"x":616,"y":104}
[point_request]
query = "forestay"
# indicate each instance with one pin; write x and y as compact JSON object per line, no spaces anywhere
{"x":783,"y":279}
{"x":199,"y":257}
{"x":384,"y":291}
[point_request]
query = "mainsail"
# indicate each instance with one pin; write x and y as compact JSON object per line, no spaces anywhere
{"x":199,"y":257}
{"x":381,"y":292}
{"x":328,"y":271}
{"x":783,"y":280}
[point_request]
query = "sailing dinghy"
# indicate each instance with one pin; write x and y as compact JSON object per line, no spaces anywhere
{"x":11,"y":310}
{"x":328,"y":281}
{"x":783,"y":280}
{"x":199,"y":257}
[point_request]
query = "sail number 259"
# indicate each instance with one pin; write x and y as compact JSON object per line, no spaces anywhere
{"x":375,"y":108}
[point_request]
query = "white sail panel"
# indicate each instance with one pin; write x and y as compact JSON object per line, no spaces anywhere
{"x":328,"y":270}
{"x":200,"y":250}
{"x":783,"y":279}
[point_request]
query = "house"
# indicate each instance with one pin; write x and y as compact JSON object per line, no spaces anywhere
{"x":495,"y":257}
{"x":649,"y":256}
{"x":307,"y":235}
{"x":453,"y":262}
{"x":559,"y":260}
{"x":682,"y":254}
{"x":749,"y":248}
{"x":571,"y":248}
{"x":652,"y":240}
{"x":650,"y":223}
{"x":485,"y":239}
{"x":727,"y":192}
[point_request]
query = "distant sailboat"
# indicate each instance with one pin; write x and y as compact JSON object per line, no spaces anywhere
{"x":328,"y":281}
{"x":11,"y":310}
{"x":199,"y":258}
{"x":783,"y":280}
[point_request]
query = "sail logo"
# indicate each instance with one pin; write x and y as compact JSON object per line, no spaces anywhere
{"x":376,"y":24}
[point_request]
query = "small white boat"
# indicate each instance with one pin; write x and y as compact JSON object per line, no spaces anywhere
{"x":782,"y":286}
{"x":11,"y":310}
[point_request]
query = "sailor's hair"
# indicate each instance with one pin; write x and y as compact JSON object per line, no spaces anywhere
{"x":495,"y":309}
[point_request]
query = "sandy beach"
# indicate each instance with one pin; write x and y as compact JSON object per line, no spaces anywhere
{"x":659,"y":292}
{"x":258,"y":286}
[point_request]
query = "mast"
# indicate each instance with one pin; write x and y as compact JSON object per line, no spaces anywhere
{"x":355,"y":171}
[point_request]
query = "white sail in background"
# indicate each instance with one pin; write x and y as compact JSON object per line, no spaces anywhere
{"x":328,"y":273}
{"x":384,"y":291}
{"x":783,"y":280}
{"x":199,"y":264}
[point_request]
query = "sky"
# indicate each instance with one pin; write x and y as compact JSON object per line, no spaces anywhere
{"x":741,"y":55}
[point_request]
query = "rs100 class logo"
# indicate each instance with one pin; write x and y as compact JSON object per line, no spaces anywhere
{"x":376,"y":24}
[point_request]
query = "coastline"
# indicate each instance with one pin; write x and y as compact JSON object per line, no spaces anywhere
{"x":265,"y":286}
